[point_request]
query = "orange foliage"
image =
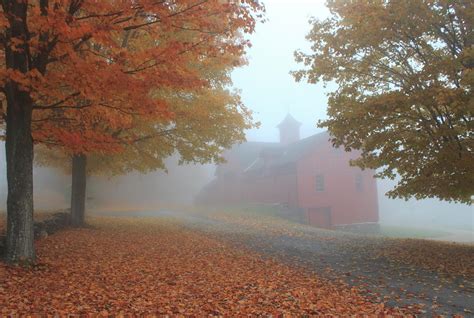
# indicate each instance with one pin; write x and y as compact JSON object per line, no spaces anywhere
{"x":93,"y":65}
{"x":146,"y":266}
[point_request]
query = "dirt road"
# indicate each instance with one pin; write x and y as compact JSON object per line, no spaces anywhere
{"x":437,"y":275}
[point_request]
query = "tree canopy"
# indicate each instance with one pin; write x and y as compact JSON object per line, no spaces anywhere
{"x":204,"y":118}
{"x":77,"y":73}
{"x":204,"y":122}
{"x":105,"y":63}
{"x":404,"y":71}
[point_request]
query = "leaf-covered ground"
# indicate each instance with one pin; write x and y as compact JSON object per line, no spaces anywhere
{"x":437,"y":276}
{"x":444,"y":257}
{"x":140,"y":266}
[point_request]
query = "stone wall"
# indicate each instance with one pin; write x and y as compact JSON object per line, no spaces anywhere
{"x":42,"y":229}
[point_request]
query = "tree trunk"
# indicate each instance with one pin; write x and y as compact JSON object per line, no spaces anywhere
{"x":78,"y":190}
{"x":18,"y":143}
{"x":19,"y":155}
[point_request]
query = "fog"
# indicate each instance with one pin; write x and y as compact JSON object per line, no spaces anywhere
{"x":268,"y":90}
{"x":430,"y":213}
{"x":177,"y":186}
{"x":180,"y":185}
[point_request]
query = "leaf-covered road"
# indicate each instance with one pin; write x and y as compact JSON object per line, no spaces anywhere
{"x":223,"y":264}
{"x":123,"y":266}
{"x":399,"y":272}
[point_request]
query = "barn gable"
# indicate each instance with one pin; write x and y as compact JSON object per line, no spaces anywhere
{"x":282,"y":158}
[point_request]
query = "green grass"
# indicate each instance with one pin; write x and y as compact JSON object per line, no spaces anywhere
{"x":242,"y":209}
{"x":410,"y":232}
{"x":271,"y":211}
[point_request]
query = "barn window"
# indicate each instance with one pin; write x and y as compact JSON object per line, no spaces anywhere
{"x":359,"y":184}
{"x":319,"y":183}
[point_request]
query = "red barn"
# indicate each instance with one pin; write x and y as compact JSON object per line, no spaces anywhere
{"x":309,"y":176}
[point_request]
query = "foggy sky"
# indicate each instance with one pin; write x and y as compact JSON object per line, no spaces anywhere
{"x":267,"y":87}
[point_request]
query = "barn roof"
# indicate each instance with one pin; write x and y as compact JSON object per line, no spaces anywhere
{"x":247,"y":152}
{"x":285,"y":155}
{"x":255,"y":166}
{"x":296,"y":150}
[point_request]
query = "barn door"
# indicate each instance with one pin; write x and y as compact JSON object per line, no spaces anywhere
{"x":320,"y":217}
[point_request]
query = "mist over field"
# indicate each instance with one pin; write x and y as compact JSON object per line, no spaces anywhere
{"x":181,"y":184}
{"x":133,"y":191}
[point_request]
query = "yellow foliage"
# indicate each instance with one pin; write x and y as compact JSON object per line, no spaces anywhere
{"x":405,"y":76}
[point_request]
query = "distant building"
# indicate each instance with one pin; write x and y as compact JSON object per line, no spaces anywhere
{"x":309,"y":176}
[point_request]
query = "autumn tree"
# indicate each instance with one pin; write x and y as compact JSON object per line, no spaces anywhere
{"x":405,"y":77}
{"x":205,"y":119}
{"x":204,"y":122}
{"x":72,"y":60}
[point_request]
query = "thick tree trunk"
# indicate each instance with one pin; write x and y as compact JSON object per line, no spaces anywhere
{"x":18,"y":143}
{"x":19,"y":155}
{"x":78,"y":190}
